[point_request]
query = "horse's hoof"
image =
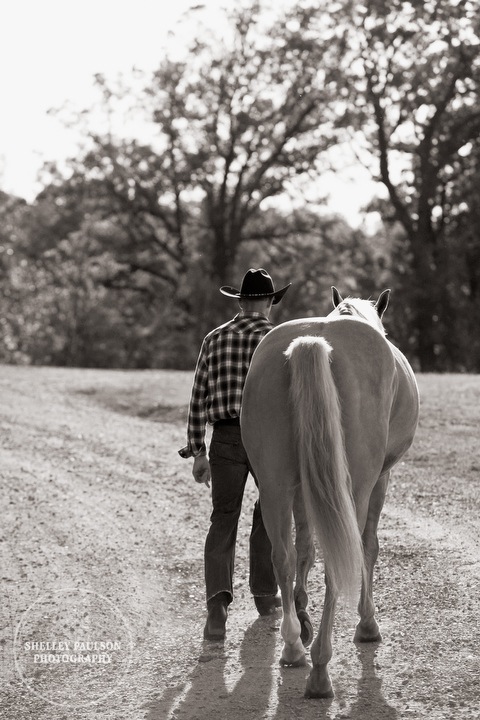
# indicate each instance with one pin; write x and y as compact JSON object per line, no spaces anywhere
{"x":363,"y":640}
{"x":317,"y":692}
{"x":362,"y":635}
{"x":298,"y":662}
{"x":306,"y":632}
{"x":310,"y":694}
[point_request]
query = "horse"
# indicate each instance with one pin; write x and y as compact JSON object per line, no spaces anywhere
{"x":329,"y":406}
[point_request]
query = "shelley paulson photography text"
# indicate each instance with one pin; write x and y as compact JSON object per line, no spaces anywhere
{"x":68,"y":652}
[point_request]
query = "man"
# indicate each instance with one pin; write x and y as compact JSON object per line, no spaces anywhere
{"x":216,"y":398}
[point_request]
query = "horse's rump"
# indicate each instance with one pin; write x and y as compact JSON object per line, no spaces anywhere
{"x":364,"y":373}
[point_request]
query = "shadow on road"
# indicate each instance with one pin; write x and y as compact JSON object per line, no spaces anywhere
{"x":224,"y":683}
{"x":370,"y":702}
{"x":247,"y":684}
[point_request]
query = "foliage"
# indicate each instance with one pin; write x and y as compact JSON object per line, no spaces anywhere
{"x":73,"y":303}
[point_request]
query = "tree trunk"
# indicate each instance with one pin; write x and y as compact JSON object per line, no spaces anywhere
{"x":427,"y":288}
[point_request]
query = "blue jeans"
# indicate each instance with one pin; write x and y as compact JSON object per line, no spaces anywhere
{"x":229,"y":468}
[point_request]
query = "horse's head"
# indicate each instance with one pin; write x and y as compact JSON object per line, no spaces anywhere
{"x":367,"y":310}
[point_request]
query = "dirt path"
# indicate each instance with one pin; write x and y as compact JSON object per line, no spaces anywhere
{"x":102,"y":541}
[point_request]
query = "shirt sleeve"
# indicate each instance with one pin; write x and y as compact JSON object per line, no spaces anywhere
{"x":197,"y":414}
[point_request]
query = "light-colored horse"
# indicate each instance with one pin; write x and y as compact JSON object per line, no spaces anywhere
{"x":329,"y":407}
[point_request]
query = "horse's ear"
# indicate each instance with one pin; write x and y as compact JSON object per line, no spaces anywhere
{"x":382,"y":302}
{"x":336,"y":297}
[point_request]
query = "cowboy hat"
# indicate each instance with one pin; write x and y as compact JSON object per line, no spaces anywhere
{"x":256,"y":284}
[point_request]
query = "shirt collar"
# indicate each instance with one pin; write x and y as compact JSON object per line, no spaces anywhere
{"x":250,"y":314}
{"x":250,"y":322}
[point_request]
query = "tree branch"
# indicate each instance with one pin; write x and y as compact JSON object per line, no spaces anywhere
{"x":383,"y":148}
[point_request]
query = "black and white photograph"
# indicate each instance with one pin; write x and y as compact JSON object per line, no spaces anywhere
{"x":240,"y":360}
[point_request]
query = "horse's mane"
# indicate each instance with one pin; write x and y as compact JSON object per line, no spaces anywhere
{"x":364,"y":309}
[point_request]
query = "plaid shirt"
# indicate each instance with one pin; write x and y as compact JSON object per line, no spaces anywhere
{"x":220,"y":374}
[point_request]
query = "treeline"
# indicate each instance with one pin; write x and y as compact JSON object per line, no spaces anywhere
{"x":118,"y":261}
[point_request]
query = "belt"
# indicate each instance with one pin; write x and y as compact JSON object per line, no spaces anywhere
{"x":228,"y":421}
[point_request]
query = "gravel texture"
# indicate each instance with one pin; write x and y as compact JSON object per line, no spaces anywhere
{"x":102,"y":538}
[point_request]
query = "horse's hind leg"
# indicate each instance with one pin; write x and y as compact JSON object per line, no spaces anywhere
{"x":367,"y":629}
{"x":319,"y":684}
{"x":277,"y":517}
{"x":305,"y":559}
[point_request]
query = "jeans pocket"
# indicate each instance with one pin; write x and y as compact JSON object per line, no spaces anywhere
{"x":221,"y":451}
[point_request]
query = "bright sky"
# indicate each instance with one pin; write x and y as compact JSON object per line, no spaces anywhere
{"x":49,"y":52}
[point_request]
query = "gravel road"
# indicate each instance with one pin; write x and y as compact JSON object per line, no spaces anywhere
{"x":101,"y":558}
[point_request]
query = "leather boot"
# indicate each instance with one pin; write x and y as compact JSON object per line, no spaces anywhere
{"x":267,"y":604}
{"x":216,"y":618}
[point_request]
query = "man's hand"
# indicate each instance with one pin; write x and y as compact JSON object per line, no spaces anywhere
{"x":201,"y":470}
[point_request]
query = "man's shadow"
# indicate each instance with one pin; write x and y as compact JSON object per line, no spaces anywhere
{"x":220,"y":688}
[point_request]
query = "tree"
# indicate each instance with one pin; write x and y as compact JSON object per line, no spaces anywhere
{"x":462,"y":274}
{"x":328,"y":251}
{"x":415,"y":80}
{"x":232,"y":126}
{"x":12,"y":211}
{"x":247,"y":116}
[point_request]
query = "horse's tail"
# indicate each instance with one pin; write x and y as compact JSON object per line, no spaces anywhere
{"x":325,"y":478}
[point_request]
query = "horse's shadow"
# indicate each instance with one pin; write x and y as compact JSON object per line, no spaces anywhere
{"x":371,"y":702}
